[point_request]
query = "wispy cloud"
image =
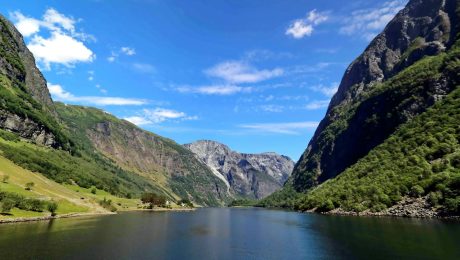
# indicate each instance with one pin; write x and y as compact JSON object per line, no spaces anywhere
{"x":241,"y":72}
{"x":159,"y":115}
{"x":317,"y":104}
{"x":64,"y":45}
{"x":58,"y":93}
{"x":328,"y":91}
{"x":91,"y":75}
{"x":128,"y":51}
{"x":272,"y":108}
{"x":263,"y":55}
{"x":281,"y":128}
{"x":143,"y":67}
{"x":219,"y":90}
{"x":369,"y":22}
{"x":300,"y":28}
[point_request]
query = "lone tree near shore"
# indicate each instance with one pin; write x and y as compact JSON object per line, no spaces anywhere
{"x":52,"y":207}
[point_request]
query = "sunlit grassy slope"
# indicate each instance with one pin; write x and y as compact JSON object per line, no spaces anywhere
{"x":70,"y":198}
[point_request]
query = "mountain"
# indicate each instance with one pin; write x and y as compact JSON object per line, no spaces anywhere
{"x":246,"y":175}
{"x":87,"y":147}
{"x":385,"y":93}
{"x":159,"y":160}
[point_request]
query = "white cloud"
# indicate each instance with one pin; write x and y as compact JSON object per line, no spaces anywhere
{"x":300,"y":28}
{"x":128,"y":51}
{"x":317,"y":104}
{"x":63,"y":46}
{"x":316,"y":18}
{"x":60,"y":49}
{"x":159,"y":115}
{"x":27,"y":26}
{"x":58,"y":93}
{"x":240,"y":72}
{"x":281,"y":128}
{"x":219,"y":90}
{"x":326,"y":90}
{"x":53,"y":18}
{"x":369,"y":22}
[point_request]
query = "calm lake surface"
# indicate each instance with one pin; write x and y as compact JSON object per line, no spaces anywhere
{"x":224,"y":233}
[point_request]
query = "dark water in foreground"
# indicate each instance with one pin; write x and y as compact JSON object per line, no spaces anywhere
{"x":230,"y":234}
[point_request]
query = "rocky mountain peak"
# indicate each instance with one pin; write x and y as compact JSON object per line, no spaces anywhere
{"x":248,"y":175}
{"x":424,"y":27}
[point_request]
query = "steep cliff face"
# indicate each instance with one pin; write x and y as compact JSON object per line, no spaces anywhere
{"x":30,"y":74}
{"x":382,"y":90}
{"x":247,"y":175}
{"x":26,"y":107}
{"x":169,"y":165}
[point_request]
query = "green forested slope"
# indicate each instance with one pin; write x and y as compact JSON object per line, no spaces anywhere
{"x":421,"y":159}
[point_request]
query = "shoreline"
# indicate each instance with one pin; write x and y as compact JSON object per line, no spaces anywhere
{"x":160,"y":210}
{"x":383,"y":215}
{"x":48,"y":218}
{"x":89,"y":214}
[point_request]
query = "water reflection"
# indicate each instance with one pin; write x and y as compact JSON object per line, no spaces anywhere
{"x":230,"y":234}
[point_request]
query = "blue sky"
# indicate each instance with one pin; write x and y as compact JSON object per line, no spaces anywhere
{"x":255,"y":75}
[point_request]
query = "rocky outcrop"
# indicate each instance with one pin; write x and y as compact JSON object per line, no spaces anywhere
{"x":26,"y":128}
{"x":247,"y":175}
{"x":26,"y":107}
{"x":408,"y":207}
{"x":362,"y":114}
{"x":424,"y":27}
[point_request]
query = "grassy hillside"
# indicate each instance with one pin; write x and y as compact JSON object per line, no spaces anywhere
{"x":44,"y":189}
{"x":83,"y":170}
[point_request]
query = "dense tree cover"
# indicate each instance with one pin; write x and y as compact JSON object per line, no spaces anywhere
{"x":420,"y":159}
{"x":284,"y":198}
{"x":153,"y":199}
{"x":374,"y":114}
{"x":242,"y":203}
{"x":9,"y":200}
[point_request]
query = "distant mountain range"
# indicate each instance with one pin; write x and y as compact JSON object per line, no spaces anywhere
{"x":246,"y":175}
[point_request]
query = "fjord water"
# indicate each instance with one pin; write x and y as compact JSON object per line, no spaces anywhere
{"x":222,"y":233}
